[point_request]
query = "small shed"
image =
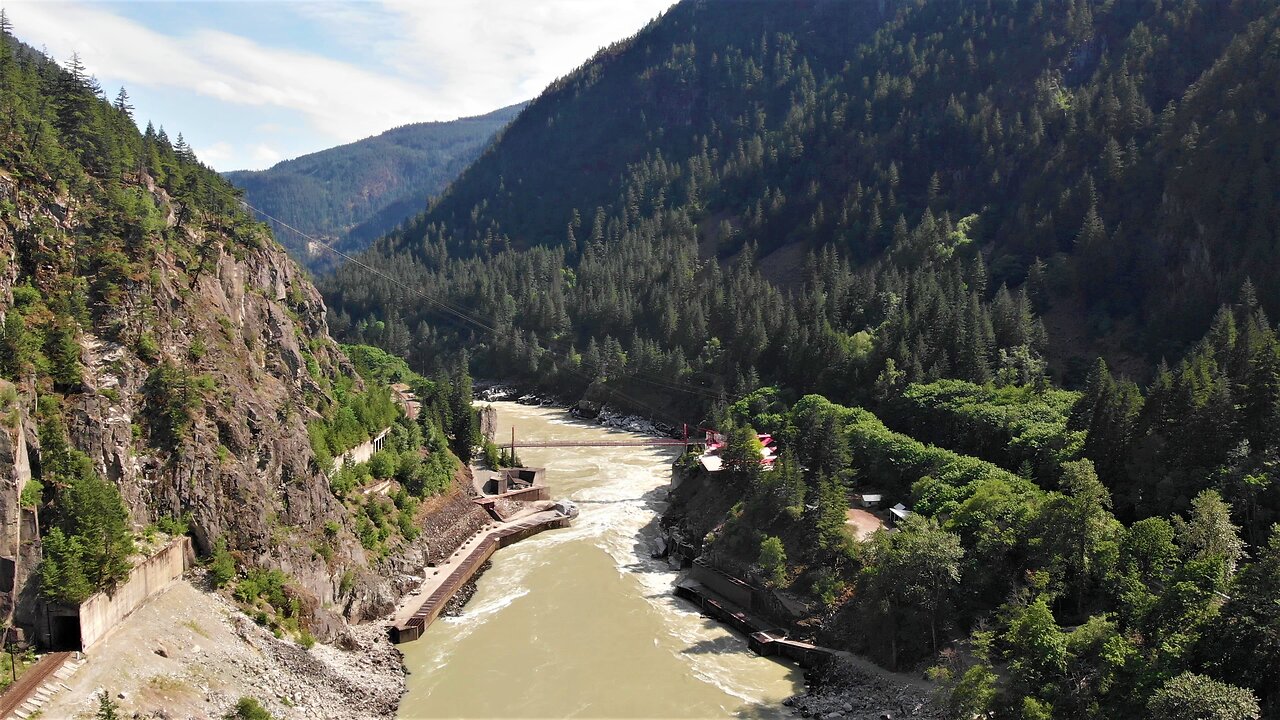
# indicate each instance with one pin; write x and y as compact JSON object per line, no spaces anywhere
{"x":898,"y":513}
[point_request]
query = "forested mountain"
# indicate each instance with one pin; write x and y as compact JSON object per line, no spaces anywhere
{"x":926,"y":154}
{"x":351,"y":194}
{"x":937,"y":212}
{"x":166,"y":368}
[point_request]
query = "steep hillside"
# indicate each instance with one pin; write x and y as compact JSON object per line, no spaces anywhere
{"x":1055,"y":147}
{"x":354,"y":193}
{"x":167,"y":367}
{"x":932,"y":211}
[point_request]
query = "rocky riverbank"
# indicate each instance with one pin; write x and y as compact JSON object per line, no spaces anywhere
{"x":459,"y":601}
{"x":190,"y":652}
{"x":844,"y":690}
{"x":486,"y":391}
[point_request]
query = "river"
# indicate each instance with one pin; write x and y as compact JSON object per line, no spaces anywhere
{"x":581,"y":622}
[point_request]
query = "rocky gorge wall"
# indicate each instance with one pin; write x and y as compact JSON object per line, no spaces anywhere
{"x":246,"y":330}
{"x":19,"y":536}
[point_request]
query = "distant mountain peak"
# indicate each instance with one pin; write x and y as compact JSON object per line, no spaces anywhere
{"x":350,"y":194}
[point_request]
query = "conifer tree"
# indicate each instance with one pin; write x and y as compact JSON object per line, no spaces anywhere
{"x":122,"y":103}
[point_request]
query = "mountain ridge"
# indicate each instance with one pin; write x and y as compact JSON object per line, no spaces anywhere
{"x":352,"y":193}
{"x":167,"y":367}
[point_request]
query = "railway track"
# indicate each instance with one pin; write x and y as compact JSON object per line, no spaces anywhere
{"x":31,"y":681}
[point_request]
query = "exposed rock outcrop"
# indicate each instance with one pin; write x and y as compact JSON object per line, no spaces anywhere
{"x":245,"y":332}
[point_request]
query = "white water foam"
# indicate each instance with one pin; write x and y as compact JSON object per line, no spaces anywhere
{"x":620,"y":494}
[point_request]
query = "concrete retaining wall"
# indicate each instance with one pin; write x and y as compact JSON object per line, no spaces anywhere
{"x":537,"y":492}
{"x":362,"y":452}
{"x":102,"y":612}
{"x":434,"y":604}
{"x":730,"y":588}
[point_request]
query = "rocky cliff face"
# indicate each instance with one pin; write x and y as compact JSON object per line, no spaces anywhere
{"x":19,"y":531}
{"x":244,"y":333}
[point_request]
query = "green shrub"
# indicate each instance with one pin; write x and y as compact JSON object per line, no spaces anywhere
{"x":32,"y":494}
{"x":147,"y":348}
{"x":222,"y":566}
{"x":268,"y":585}
{"x":492,"y":456}
{"x":383,"y":464}
{"x":248,"y":708}
{"x":175,"y":526}
{"x":828,"y":586}
{"x":773,"y":560}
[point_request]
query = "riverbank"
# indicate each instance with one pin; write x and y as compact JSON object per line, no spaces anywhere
{"x":841,"y":685}
{"x":846,"y":688}
{"x":587,"y":610}
{"x":190,"y":653}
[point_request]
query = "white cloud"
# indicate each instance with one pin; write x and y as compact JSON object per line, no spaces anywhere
{"x":265,"y":156}
{"x":341,"y":100}
{"x":216,"y":154}
{"x":421,"y":60}
{"x":504,"y":51}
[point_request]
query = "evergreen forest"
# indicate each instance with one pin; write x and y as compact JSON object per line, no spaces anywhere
{"x":1010,"y":263}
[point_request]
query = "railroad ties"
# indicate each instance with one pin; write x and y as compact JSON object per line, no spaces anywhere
{"x":40,"y":682}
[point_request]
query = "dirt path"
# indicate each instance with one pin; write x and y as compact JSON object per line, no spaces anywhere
{"x":862,"y":523}
{"x":191,"y":654}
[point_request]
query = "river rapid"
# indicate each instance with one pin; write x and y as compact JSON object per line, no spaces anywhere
{"x":581,"y":622}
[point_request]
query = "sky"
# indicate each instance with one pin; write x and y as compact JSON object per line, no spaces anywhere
{"x":251,"y":83}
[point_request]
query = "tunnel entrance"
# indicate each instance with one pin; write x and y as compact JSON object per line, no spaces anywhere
{"x":64,"y":632}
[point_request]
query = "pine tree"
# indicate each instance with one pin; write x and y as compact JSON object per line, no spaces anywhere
{"x":122,"y":104}
{"x":1037,"y":286}
{"x":14,"y":354}
{"x":1244,"y":643}
{"x":182,"y":150}
{"x":63,"y":351}
{"x":1210,"y":533}
{"x":107,"y":708}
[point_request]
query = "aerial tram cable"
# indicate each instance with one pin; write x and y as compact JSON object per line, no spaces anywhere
{"x":466,"y":317}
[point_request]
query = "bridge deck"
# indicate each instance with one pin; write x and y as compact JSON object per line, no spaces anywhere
{"x":602,"y":443}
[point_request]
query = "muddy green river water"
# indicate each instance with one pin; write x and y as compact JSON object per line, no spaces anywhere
{"x":581,"y":622}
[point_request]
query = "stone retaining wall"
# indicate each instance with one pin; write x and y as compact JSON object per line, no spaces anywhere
{"x":451,"y":525}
